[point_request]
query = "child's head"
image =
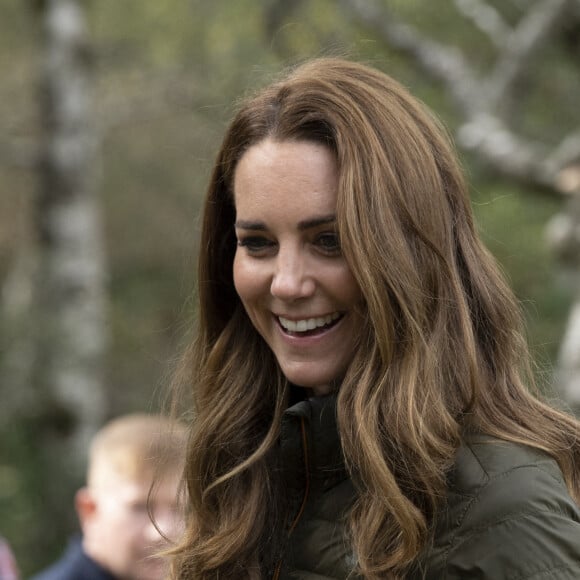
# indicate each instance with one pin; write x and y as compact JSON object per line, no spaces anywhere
{"x":126,"y":458}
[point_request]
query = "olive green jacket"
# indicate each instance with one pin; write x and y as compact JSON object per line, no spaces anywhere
{"x":508,"y":515}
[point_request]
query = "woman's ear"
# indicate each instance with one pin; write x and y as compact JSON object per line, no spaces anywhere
{"x":85,"y":505}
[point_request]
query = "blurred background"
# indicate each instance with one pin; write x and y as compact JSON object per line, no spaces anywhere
{"x":111,"y":112}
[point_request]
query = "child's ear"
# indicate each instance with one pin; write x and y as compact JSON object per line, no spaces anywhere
{"x":85,"y":505}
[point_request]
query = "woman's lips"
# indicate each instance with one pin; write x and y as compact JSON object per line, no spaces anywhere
{"x":309,"y":326}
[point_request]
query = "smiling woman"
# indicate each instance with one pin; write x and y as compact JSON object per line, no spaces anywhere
{"x":359,"y":374}
{"x":289,"y":272}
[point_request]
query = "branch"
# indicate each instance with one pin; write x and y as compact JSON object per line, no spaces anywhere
{"x":443,"y":63}
{"x":484,"y":131}
{"x":485,"y":18}
{"x":523,"y":160}
{"x":566,"y":153}
{"x":520,"y":46}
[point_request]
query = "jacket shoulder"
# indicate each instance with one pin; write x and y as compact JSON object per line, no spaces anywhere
{"x":508,"y":516}
{"x":482,"y":460}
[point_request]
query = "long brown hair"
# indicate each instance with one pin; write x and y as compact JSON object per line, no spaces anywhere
{"x":442,"y":351}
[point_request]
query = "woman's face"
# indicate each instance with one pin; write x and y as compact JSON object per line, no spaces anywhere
{"x":289,"y":271}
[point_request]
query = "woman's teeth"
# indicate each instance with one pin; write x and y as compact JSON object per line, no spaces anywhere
{"x":308,"y":323}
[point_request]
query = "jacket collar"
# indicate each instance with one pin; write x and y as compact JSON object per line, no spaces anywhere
{"x":310,"y":441}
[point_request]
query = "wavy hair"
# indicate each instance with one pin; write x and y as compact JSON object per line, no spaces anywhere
{"x":442,"y":351}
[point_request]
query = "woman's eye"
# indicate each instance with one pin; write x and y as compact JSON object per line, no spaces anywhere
{"x":329,"y":242}
{"x":255,"y":244}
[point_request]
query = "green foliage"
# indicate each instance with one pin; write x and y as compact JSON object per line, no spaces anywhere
{"x":512,"y":222}
{"x":23,"y":479}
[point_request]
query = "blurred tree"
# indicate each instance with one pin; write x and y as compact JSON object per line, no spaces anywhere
{"x":71,"y":295}
{"x":61,"y":381}
{"x":490,"y":126}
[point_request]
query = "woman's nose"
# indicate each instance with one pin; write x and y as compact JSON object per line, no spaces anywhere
{"x":292,"y":278}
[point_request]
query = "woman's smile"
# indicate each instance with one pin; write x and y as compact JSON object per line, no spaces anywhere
{"x":289,"y":270}
{"x":309,"y":326}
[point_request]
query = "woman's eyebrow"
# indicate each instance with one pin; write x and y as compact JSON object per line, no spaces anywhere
{"x":248,"y":225}
{"x":316,"y":221}
{"x":302,"y":225}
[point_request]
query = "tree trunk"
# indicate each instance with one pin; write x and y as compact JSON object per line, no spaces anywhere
{"x":70,"y":288}
{"x":564,"y":238}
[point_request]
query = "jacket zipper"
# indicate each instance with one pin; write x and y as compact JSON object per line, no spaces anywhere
{"x":278,"y":569}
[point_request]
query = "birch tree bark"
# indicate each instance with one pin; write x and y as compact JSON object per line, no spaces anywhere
{"x":70,"y":286}
{"x":487,"y":129}
{"x":563,"y":234}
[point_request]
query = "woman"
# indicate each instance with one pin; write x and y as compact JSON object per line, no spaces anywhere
{"x":359,"y":373}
